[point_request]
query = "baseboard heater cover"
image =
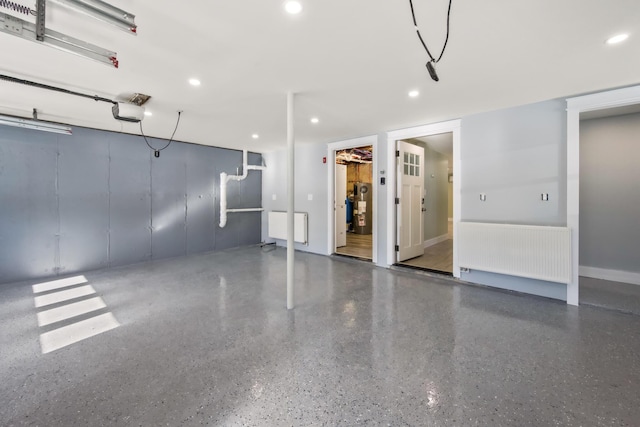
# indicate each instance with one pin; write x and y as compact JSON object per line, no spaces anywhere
{"x":536,"y":252}
{"x":277,"y":227}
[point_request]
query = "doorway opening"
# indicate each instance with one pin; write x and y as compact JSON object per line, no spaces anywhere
{"x":353,"y":189}
{"x":452,"y":127}
{"x":609,"y":252}
{"x":577,"y":108}
{"x":424,"y":203}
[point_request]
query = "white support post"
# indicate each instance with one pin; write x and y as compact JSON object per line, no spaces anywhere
{"x":290,"y":202}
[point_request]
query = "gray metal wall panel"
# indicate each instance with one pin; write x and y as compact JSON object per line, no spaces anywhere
{"x":168,"y":200}
{"x":117,"y":204}
{"x":201,"y":189}
{"x":83,"y":188}
{"x":130,"y":205}
{"x":28,"y":204}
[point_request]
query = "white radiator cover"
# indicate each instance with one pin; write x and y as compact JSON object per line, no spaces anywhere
{"x":277,"y":227}
{"x":536,"y":252}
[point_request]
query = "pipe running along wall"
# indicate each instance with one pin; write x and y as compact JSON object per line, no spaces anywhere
{"x":224,"y":179}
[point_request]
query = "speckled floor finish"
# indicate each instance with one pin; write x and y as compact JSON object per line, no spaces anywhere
{"x":206,"y":340}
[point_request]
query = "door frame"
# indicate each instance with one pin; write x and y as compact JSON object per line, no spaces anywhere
{"x":332,"y":147}
{"x":452,"y":126}
{"x":575,"y":106}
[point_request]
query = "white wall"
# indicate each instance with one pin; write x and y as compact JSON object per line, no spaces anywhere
{"x":310,"y":180}
{"x":513,"y":156}
{"x":311,"y":177}
{"x":609,"y":195}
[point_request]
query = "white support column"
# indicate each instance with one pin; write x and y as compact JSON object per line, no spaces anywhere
{"x":290,"y":202}
{"x":573,"y":201}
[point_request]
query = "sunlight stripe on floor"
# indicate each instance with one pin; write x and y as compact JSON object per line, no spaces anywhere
{"x":67,"y":335}
{"x":60,"y":296}
{"x":70,"y":310}
{"x":58,"y":284}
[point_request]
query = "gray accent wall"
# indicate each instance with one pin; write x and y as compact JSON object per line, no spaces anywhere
{"x":436,"y":216}
{"x":610,"y":193}
{"x":99,"y":199}
{"x":513,"y":156}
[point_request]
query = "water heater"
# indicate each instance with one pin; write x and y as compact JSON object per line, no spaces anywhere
{"x":362,"y":208}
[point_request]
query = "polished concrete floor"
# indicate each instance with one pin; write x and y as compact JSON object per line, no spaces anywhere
{"x":206,"y":340}
{"x":624,"y":297}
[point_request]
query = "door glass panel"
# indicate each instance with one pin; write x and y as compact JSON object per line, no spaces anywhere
{"x":406,"y":169}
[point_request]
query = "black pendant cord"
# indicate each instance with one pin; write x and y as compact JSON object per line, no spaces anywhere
{"x":157,"y":151}
{"x":413,"y":15}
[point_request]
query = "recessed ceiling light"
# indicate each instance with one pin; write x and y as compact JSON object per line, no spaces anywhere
{"x":148,"y":113}
{"x":255,"y":136}
{"x":293,"y":7}
{"x":414,"y":94}
{"x":315,"y":120}
{"x":617,"y":38}
{"x":194,"y":82}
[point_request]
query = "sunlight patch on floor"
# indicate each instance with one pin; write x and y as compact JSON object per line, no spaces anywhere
{"x":67,"y":301}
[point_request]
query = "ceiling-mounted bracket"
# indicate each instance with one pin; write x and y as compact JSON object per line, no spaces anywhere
{"x":26,"y":30}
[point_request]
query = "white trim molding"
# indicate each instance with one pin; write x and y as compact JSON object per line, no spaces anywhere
{"x":612,"y":275}
{"x":575,"y":106}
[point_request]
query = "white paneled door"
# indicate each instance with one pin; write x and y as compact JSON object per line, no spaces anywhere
{"x":410,"y":193}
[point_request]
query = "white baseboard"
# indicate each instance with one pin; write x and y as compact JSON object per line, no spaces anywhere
{"x":612,"y":275}
{"x":436,"y":240}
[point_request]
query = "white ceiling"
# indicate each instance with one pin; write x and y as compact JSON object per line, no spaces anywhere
{"x":351,"y":64}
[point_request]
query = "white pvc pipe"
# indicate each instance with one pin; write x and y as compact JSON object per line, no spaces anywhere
{"x":224,"y":179}
{"x":223,"y":199}
{"x":246,"y":210}
{"x":290,"y":203}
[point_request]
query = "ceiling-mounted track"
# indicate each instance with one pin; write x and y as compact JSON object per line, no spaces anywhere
{"x":104,"y":12}
{"x":39,"y":33}
{"x":26,"y":30}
